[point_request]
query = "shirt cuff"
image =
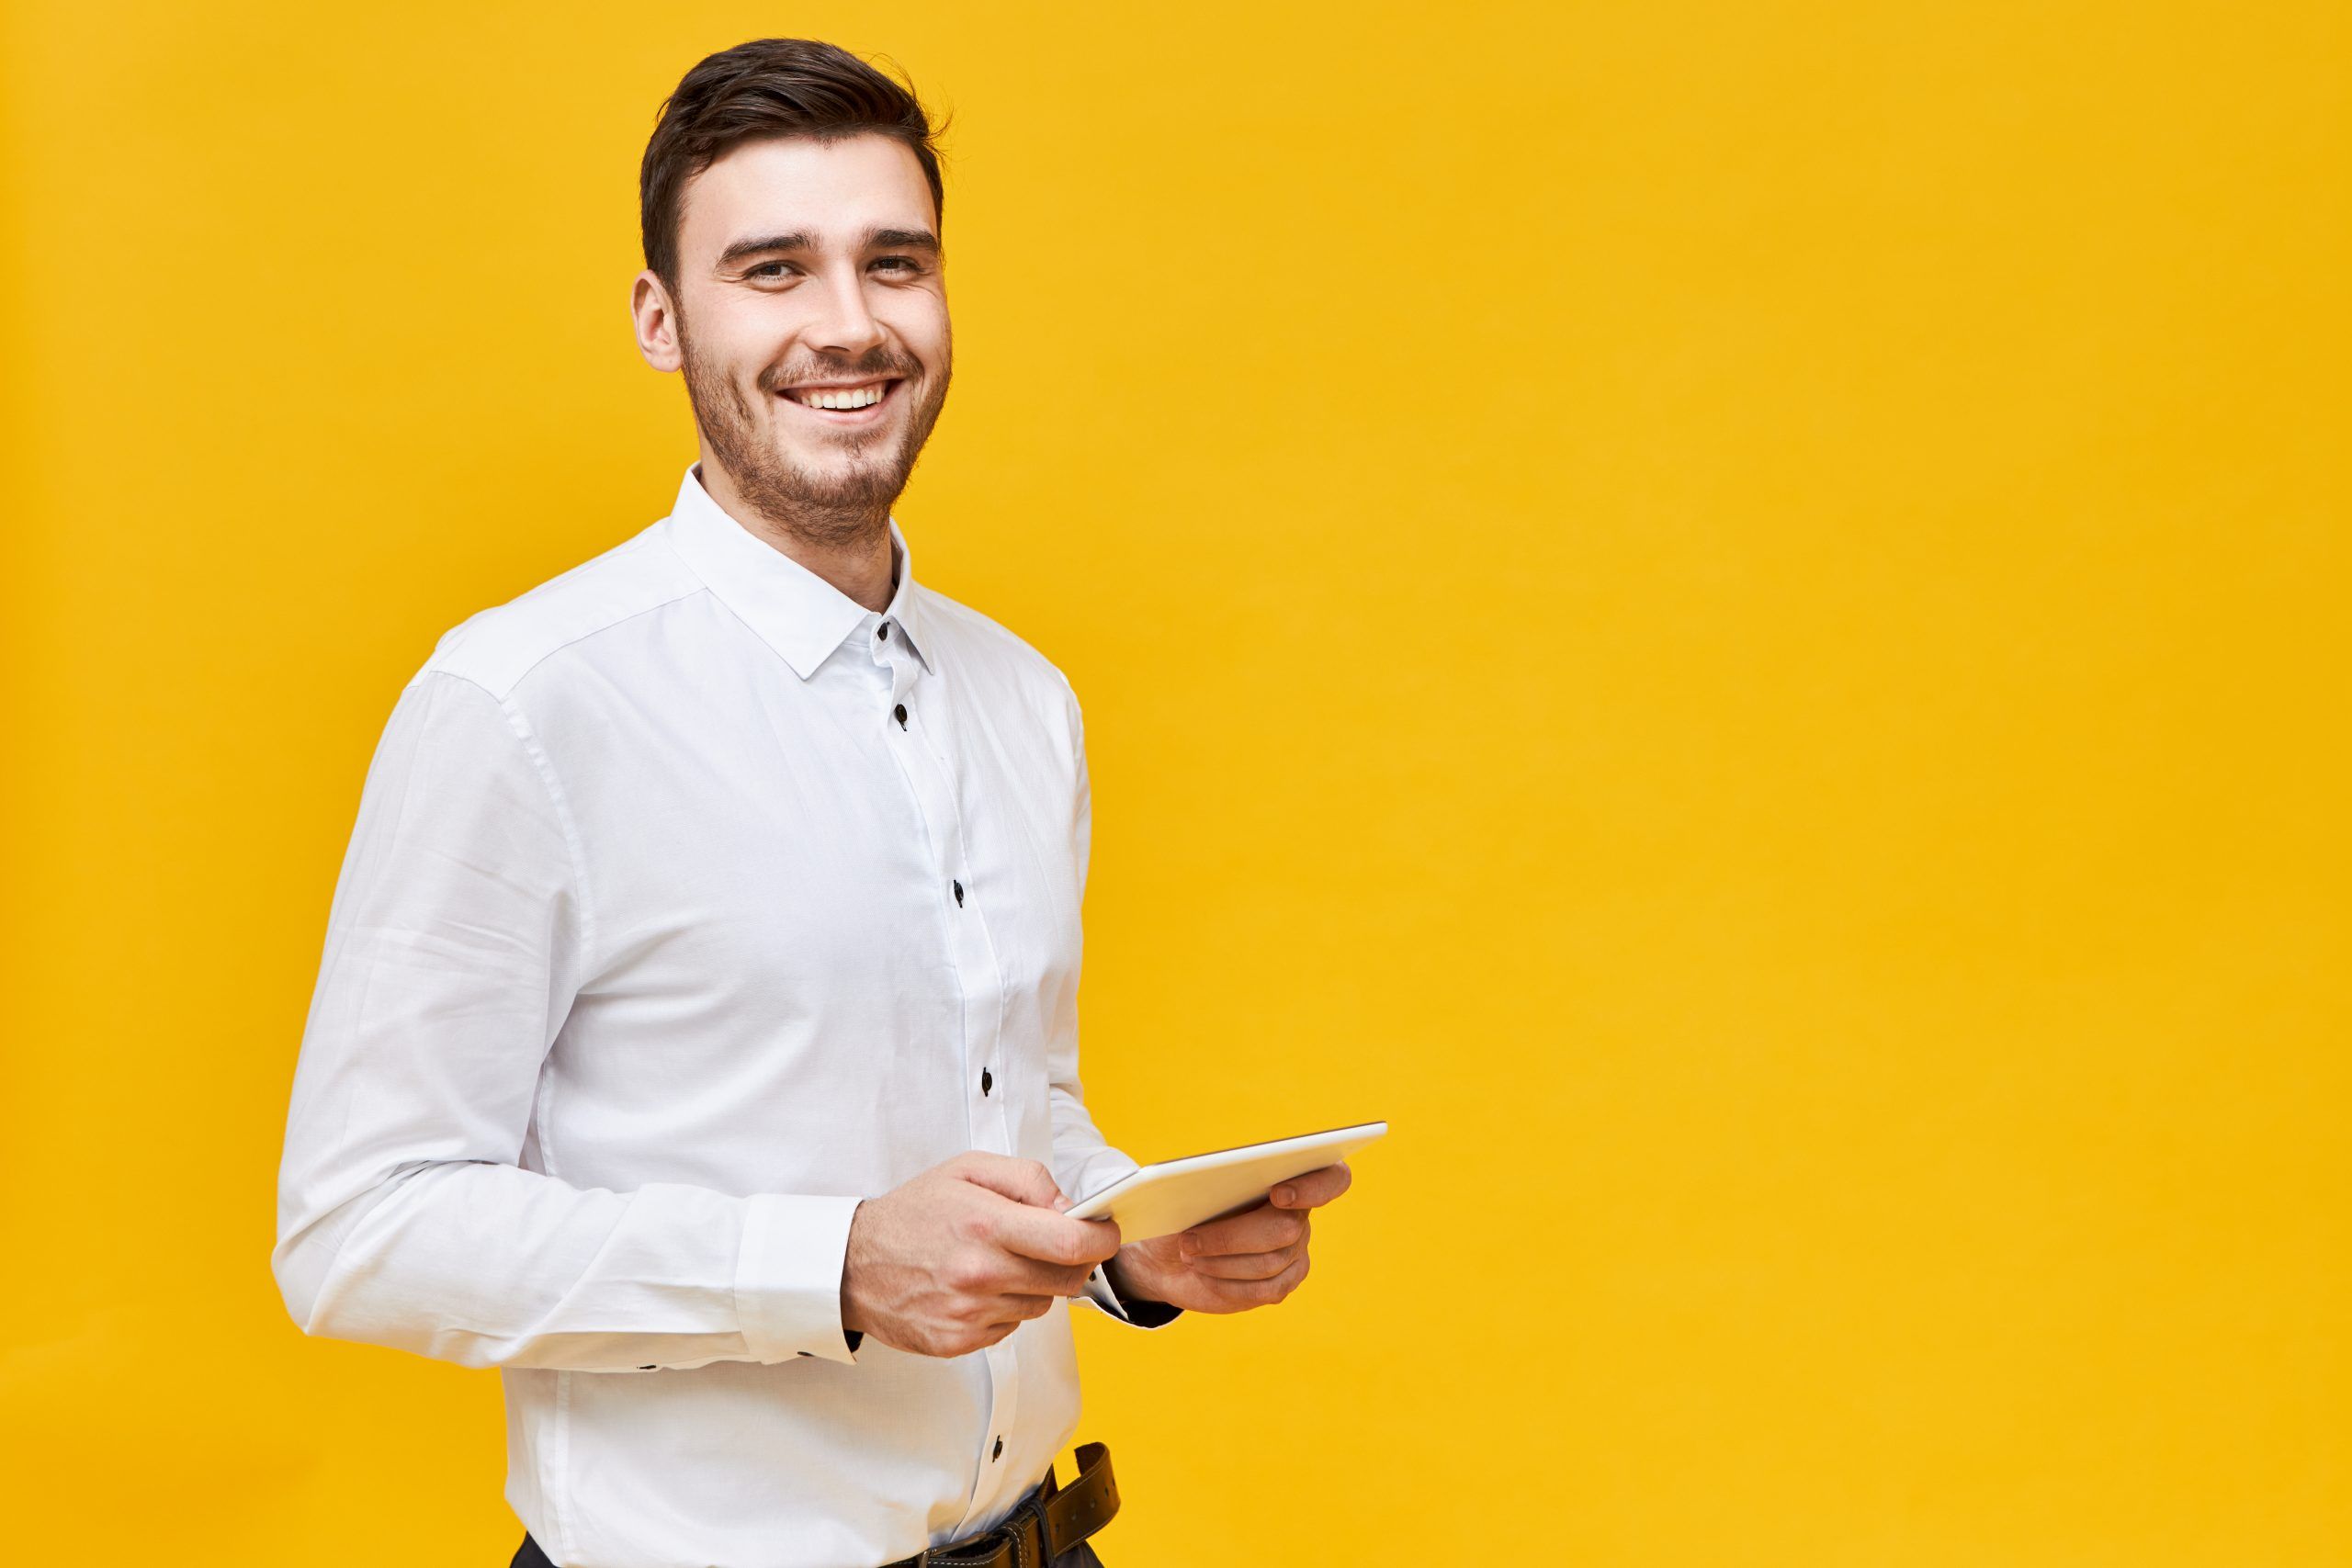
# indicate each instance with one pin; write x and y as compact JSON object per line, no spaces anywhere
{"x":1134,"y":1310}
{"x":788,"y":1276}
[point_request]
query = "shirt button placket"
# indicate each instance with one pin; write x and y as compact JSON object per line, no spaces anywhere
{"x":981,"y":987}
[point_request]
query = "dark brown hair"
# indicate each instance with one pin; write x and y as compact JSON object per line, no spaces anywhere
{"x":769,"y":86}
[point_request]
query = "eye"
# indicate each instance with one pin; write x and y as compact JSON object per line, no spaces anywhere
{"x":905,"y":263}
{"x":761,"y":270}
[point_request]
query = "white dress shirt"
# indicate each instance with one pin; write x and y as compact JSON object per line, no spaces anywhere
{"x":689,"y":902}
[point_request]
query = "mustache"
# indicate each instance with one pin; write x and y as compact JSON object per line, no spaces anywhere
{"x":776,"y":381}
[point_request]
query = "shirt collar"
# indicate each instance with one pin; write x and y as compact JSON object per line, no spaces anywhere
{"x":795,"y":611}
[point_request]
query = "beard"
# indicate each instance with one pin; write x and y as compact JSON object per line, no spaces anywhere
{"x":843,"y":506}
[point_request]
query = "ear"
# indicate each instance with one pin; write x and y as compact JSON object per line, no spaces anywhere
{"x":656,"y":321}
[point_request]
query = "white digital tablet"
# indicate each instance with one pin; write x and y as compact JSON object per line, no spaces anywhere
{"x":1177,"y":1194}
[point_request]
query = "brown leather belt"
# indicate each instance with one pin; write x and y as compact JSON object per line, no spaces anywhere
{"x":1047,"y":1522}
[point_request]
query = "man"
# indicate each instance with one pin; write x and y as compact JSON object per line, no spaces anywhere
{"x":695,"y":1039}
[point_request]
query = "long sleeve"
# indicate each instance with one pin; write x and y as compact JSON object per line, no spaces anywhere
{"x":1084,"y":1161}
{"x":459,"y":932}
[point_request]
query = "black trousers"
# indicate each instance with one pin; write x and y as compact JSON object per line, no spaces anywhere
{"x":528,"y":1554}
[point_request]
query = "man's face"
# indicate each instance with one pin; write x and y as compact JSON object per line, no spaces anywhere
{"x":812,"y":270}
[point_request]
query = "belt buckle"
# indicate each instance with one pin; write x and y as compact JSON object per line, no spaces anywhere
{"x":1023,"y":1530}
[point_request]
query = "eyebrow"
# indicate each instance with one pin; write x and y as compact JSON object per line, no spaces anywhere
{"x":801,"y":239}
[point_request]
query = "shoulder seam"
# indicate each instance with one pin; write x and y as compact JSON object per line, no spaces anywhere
{"x":608,"y":626}
{"x":599,"y":630}
{"x":527,"y":737}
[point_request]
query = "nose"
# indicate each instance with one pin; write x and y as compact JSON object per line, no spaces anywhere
{"x":844,"y":326}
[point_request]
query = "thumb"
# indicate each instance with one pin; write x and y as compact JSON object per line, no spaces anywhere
{"x":1022,"y":1180}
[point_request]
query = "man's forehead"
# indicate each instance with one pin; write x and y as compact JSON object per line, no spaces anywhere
{"x":833,"y":193}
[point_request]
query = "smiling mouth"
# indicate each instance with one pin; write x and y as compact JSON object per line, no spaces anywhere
{"x":856,"y":404}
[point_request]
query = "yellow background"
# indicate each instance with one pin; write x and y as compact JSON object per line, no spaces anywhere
{"x":1730,"y":615}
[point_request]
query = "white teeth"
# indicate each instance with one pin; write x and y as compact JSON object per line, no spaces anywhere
{"x":858,"y":398}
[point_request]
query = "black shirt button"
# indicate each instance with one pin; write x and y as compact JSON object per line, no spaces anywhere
{"x":900,"y":713}
{"x":959,"y":895}
{"x":986,"y":1080}
{"x":886,"y":631}
{"x":997,"y":1450}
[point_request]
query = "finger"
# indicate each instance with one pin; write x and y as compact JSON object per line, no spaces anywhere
{"x":1050,"y":1237}
{"x":993,"y":1333}
{"x":1022,"y":1180}
{"x":1316,"y":1186}
{"x":1245,"y":1265}
{"x":1262,"y":1292}
{"x":1261,"y":1229}
{"x":1028,"y":1277}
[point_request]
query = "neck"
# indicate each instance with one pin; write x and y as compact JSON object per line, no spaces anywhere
{"x":854,"y":553}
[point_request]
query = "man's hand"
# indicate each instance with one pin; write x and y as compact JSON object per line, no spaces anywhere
{"x":959,"y":1256}
{"x":1250,"y":1259}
